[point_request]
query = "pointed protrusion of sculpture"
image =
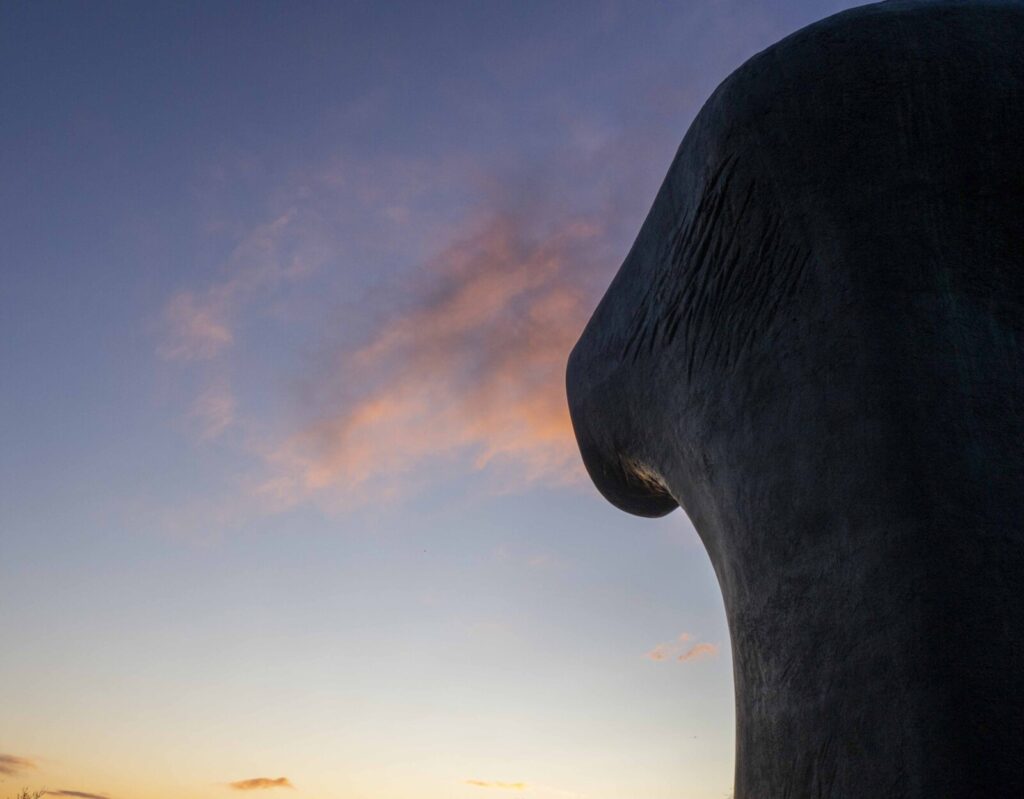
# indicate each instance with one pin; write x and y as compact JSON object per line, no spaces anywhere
{"x":816,"y":348}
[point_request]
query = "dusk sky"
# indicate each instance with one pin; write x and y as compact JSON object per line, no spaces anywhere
{"x":289,"y":499}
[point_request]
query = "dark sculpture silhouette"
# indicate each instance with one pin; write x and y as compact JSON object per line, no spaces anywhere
{"x":815,"y":347}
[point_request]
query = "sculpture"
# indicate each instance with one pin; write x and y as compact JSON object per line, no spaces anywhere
{"x":816,"y":348}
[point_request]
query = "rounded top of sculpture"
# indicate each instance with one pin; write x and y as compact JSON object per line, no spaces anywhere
{"x":876,"y":151}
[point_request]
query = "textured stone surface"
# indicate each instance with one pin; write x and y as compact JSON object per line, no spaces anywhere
{"x":815,"y":348}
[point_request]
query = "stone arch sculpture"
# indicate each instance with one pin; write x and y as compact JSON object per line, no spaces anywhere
{"x":816,"y":348}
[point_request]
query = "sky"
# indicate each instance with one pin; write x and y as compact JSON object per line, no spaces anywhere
{"x":289,"y":499}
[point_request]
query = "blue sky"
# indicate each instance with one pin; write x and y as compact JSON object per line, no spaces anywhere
{"x":287,"y":487}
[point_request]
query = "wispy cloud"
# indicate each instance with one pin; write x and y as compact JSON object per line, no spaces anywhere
{"x":428,"y":346}
{"x":199,"y":325}
{"x":699,"y":651}
{"x":471,"y":368}
{"x":213,"y":412}
{"x":260,"y":783}
{"x":667,"y":650}
{"x":76,"y":794}
{"x":532,"y":788}
{"x":12,"y":765}
{"x":505,"y":786}
{"x":682,"y":650}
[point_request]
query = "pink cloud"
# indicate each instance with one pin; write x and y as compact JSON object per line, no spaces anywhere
{"x":698,"y":651}
{"x":667,"y":650}
{"x":680,"y":650}
{"x":453,"y":366}
{"x":470,"y":372}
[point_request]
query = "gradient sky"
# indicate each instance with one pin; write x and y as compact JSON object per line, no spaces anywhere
{"x":288,"y":495}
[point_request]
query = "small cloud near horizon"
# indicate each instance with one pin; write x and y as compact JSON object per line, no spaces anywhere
{"x":12,"y":765}
{"x":698,"y":651}
{"x":261,"y":783}
{"x":681,"y":650}
{"x":76,"y":794}
{"x":665,"y":651}
{"x":504,"y":786}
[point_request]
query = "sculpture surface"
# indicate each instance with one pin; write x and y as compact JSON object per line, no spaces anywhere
{"x":816,"y":348}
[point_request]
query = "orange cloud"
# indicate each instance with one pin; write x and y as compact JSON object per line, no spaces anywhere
{"x":471,"y":371}
{"x":667,"y":650}
{"x":260,"y":783}
{"x":698,"y":651}
{"x":75,"y":794}
{"x":679,"y":650}
{"x":11,"y":765}
{"x":505,"y":786}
